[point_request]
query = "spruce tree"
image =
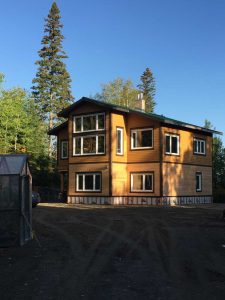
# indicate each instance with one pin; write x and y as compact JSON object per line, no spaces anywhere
{"x":52,"y":84}
{"x":147,"y":87}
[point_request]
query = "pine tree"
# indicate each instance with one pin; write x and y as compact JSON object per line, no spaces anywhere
{"x":52,"y":84}
{"x":147,"y":87}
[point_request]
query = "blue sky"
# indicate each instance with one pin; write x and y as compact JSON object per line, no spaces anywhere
{"x":182,"y":41}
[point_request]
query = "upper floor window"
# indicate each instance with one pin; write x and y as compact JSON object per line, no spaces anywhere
{"x":89,"y":145}
{"x":64,"y":149}
{"x":119,"y":141}
{"x":93,"y":122}
{"x":142,"y":138}
{"x":199,"y":146}
{"x":172,"y":144}
{"x":198,"y":182}
{"x":142,"y":182}
{"x":88,"y":182}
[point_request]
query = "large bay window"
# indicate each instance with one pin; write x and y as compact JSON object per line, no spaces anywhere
{"x":141,"y":138}
{"x":172,"y":144}
{"x":199,"y":146}
{"x":88,"y":182}
{"x":141,"y":182}
{"x":89,"y":145}
{"x":85,"y":123}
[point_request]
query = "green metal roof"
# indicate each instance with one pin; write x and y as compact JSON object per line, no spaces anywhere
{"x":65,"y":112}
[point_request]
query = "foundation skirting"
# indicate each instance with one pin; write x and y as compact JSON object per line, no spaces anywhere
{"x":160,"y":201}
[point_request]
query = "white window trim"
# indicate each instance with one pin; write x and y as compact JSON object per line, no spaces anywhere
{"x":178,"y":143}
{"x":134,"y":131}
{"x":199,"y":174}
{"x":82,"y":138}
{"x":62,"y":143}
{"x":94,"y":182}
{"x":121,"y":152}
{"x":90,"y":115}
{"x":143,"y":174}
{"x":199,"y":150}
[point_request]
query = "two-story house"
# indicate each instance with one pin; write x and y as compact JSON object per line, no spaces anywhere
{"x":116,"y":155}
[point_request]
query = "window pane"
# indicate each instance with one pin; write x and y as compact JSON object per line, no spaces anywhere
{"x":202,"y":147}
{"x":101,"y":144}
{"x":101,"y":121}
{"x":97,"y":182}
{"x":134,"y":139}
{"x":77,"y":124}
{"x":89,"y":123}
{"x":174,"y":144}
{"x":168,"y":143}
{"x":195,"y":146}
{"x":77,"y":145}
{"x":88,"y":182}
{"x":118,"y":141}
{"x":64,"y":149}
{"x":146,"y":138}
{"x":80,"y":182}
{"x":137,"y":182}
{"x":148,"y":182}
{"x":89,"y":144}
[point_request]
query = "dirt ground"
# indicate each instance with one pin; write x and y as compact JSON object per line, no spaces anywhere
{"x":106,"y":252}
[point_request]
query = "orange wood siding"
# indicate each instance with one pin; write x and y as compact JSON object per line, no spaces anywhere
{"x":62,"y":136}
{"x":180,"y":180}
{"x":103,"y":168}
{"x":186,"y":148}
{"x":148,"y":155}
{"x":119,"y":120}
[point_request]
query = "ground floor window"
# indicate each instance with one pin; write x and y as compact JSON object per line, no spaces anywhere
{"x":198,"y":182}
{"x":141,"y":182}
{"x":88,"y":182}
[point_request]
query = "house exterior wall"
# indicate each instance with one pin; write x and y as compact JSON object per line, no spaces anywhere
{"x":173,"y":175}
{"x":62,"y":164}
{"x":179,"y":180}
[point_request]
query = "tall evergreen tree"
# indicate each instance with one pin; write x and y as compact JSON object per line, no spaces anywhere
{"x":52,"y":84}
{"x":147,"y":87}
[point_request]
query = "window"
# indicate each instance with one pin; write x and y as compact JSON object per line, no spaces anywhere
{"x":89,"y":145}
{"x":94,"y":122}
{"x":119,"y":141}
{"x":142,"y":182}
{"x":172,"y":144}
{"x":142,"y":138}
{"x":64,"y":149}
{"x":198,"y":182}
{"x":88,"y":182}
{"x":199,"y":146}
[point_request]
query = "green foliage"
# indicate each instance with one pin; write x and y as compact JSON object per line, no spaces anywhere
{"x":20,"y":127}
{"x":147,"y":87}
{"x":120,"y":92}
{"x":22,"y":131}
{"x":52,"y":85}
{"x":218,"y":162}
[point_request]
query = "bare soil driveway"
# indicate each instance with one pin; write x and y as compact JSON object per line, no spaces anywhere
{"x":106,"y":252}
